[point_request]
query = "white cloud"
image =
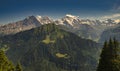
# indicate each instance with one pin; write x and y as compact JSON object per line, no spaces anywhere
{"x":113,"y":16}
{"x":118,"y":8}
{"x":117,"y":20}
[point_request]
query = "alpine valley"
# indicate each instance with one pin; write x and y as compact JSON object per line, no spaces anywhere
{"x":67,"y":44}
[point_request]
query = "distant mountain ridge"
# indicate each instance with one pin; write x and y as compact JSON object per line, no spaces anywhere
{"x":74,"y":20}
{"x":111,"y":33}
{"x":90,"y":29}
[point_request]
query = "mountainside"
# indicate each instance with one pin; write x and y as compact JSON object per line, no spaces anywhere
{"x":111,"y":33}
{"x":25,"y":24}
{"x":84,"y":31}
{"x":49,"y":48}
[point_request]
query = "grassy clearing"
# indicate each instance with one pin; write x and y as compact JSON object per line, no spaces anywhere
{"x":47,"y":40}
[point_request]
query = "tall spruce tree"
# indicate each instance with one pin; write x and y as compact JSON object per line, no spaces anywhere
{"x":110,"y":56}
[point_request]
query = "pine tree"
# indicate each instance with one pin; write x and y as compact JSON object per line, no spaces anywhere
{"x":103,"y":59}
{"x":18,"y":67}
{"x":5,"y":64}
{"x":110,"y":57}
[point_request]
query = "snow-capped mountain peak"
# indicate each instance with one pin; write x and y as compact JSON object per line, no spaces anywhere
{"x":44,"y":20}
{"x":38,"y":16}
{"x":69,"y":20}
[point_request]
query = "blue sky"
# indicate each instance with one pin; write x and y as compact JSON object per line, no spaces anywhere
{"x":14,"y":10}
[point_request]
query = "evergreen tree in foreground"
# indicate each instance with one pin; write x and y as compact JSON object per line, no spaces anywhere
{"x":5,"y":64}
{"x":110,"y":56}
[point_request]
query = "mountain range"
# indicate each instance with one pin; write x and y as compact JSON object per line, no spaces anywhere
{"x":85,"y":28}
